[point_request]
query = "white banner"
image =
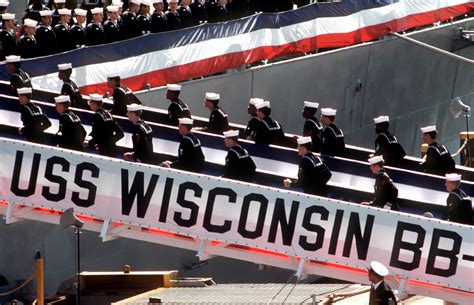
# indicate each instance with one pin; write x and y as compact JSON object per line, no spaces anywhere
{"x":209,"y":208}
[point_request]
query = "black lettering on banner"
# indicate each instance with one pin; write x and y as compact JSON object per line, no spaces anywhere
{"x":15,"y":186}
{"x":218,"y":191}
{"x":279,"y":219}
{"x":335,"y":232}
{"x":62,"y":183}
{"x":193,"y":207}
{"x":399,"y":244}
{"x":137,"y":190}
{"x":166,"y":200}
{"x":354,"y":231}
{"x":435,"y":252}
{"x":244,"y":213}
{"x":303,"y":242}
{"x":91,"y":187}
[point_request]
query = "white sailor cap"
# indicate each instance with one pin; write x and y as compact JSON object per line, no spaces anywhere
{"x":375,"y":160}
{"x":186,"y":121}
{"x":157,"y":1}
{"x":80,"y":12}
{"x":113,"y":74}
{"x":66,"y":66}
{"x":4,"y":3}
{"x":264,"y":104}
{"x":97,"y":10}
{"x":146,"y":2}
{"x":96,"y":97}
{"x":13,"y":58}
{"x":453,"y":177}
{"x":112,"y":9}
{"x":328,"y":111}
{"x":173,"y":1}
{"x":311,"y":104}
{"x":427,"y":129}
{"x":62,"y":99}
{"x":59,"y":1}
{"x":211,"y":96}
{"x":173,"y":87}
{"x":231,"y":133}
{"x":117,"y":3}
{"x":30,"y":22}
{"x":255,"y":100}
{"x":64,"y":11}
{"x":137,"y":2}
{"x":134,"y":107}
{"x":24,"y":90}
{"x":46,"y":13}
{"x":378,"y":268}
{"x":381,"y":119}
{"x":8,"y":16}
{"x":303,"y":140}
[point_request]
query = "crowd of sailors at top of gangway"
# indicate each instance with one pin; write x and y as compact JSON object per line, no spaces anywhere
{"x":319,"y":135}
{"x":57,"y":28}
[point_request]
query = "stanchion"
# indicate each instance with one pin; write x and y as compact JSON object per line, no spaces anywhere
{"x":39,"y":279}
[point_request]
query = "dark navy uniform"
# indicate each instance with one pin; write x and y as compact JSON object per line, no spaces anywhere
{"x":27,"y":47}
{"x":459,"y":207}
{"x":72,"y":131}
{"x":218,"y":122}
{"x":222,"y":14}
{"x":186,"y":16}
{"x":313,"y":128}
{"x":111,"y":31}
{"x":142,"y":139}
{"x":64,"y":38}
{"x":387,"y":146}
{"x":382,"y":295}
{"x":144,"y":24}
{"x":239,"y":165}
{"x":46,"y":39}
{"x":174,"y":20}
{"x":252,"y":127}
{"x":94,"y":34}
{"x":211,"y":11}
{"x":34,"y":123}
{"x":56,"y":18}
{"x":313,"y":175}
{"x":159,"y":22}
{"x":123,"y":96}
{"x":105,"y":133}
{"x":190,"y":155}
{"x":199,"y":12}
{"x":333,"y":141}
{"x":78,"y":35}
{"x":130,"y":27}
{"x":177,"y":110}
{"x":385,"y":192}
{"x":70,"y":88}
{"x":8,"y":43}
{"x":438,"y":160}
{"x":269,"y":131}
{"x":20,"y":79}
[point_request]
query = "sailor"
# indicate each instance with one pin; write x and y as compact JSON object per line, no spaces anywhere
{"x":78,"y":30}
{"x":58,"y":5}
{"x":111,"y":26}
{"x":254,"y":122}
{"x":199,"y":12}
{"x":238,"y":163}
{"x":142,"y":137}
{"x":221,"y":11}
{"x":27,"y":46}
{"x":386,"y":144}
{"x":380,"y":292}
{"x":122,"y":95}
{"x":159,"y":21}
{"x":211,"y":11}
{"x":459,"y":204}
{"x":177,"y":108}
{"x":3,"y":9}
{"x":130,"y":27}
{"x":8,"y":35}
{"x":18,"y":78}
{"x":71,"y":133}
{"x":438,"y":159}
{"x":333,"y":137}
{"x":313,"y":174}
{"x":95,"y":30}
{"x":105,"y":130}
{"x":190,"y":155}
{"x":218,"y":122}
{"x":69,"y":87}
{"x":312,"y":127}
{"x":33,"y":118}
{"x":385,"y":191}
{"x":45,"y":36}
{"x":185,"y":14}
{"x":63,"y":31}
{"x":143,"y":18}
{"x":174,"y":20}
{"x":34,"y":9}
{"x":269,"y":131}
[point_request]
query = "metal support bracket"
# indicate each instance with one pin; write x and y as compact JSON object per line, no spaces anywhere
{"x":300,"y":274}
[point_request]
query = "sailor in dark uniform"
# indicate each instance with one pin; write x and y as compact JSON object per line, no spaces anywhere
{"x":33,"y":118}
{"x":185,"y":14}
{"x":94,"y":30}
{"x":130,"y":27}
{"x":312,"y":126}
{"x":63,"y":31}
{"x":190,"y":155}
{"x":239,"y":8}
{"x":313,"y":174}
{"x":459,"y":204}
{"x":33,"y":11}
{"x":218,"y":121}
{"x":105,"y":130}
{"x":333,"y":137}
{"x":142,"y":137}
{"x":143,"y":18}
{"x":438,"y":159}
{"x":380,"y":292}
{"x":269,"y":131}
{"x":122,"y":95}
{"x":221,"y":11}
{"x":238,"y":163}
{"x":211,"y":11}
{"x":58,"y":5}
{"x":45,"y":36}
{"x":27,"y":46}
{"x":3,"y":10}
{"x":385,"y":192}
{"x":159,"y":21}
{"x":69,"y":87}
{"x":199,"y":12}
{"x":174,"y":20}
{"x":177,"y":108}
{"x":71,"y":133}
{"x":78,"y":29}
{"x":386,"y":144}
{"x":8,"y":36}
{"x":18,"y":77}
{"x":111,"y":26}
{"x":254,"y":122}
